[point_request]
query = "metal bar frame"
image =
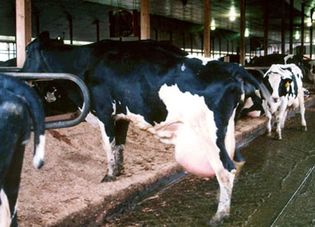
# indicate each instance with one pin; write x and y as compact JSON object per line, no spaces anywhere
{"x":13,"y":71}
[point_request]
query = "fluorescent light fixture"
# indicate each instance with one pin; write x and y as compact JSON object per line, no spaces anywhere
{"x":232,"y":14}
{"x":308,"y":22}
{"x":212,"y":25}
{"x":297,"y":35}
{"x":307,"y":39}
{"x":246,"y":33}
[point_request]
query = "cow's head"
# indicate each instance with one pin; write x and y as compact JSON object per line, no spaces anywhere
{"x":35,"y":60}
{"x":278,"y":80}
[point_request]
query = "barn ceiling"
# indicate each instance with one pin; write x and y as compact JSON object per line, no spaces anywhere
{"x":52,"y":15}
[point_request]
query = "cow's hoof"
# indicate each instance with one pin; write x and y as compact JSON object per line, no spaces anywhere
{"x":238,"y":156}
{"x":279,"y":137}
{"x":218,"y":219}
{"x":108,"y":178}
{"x":229,"y":165}
{"x":304,"y":128}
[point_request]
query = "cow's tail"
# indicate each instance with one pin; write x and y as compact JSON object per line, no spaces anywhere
{"x":36,"y":111}
{"x":38,"y":117}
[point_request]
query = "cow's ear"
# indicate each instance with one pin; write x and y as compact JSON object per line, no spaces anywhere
{"x":166,"y":132}
{"x":44,"y":36}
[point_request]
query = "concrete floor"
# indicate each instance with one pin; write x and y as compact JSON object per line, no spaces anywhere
{"x":276,"y":187}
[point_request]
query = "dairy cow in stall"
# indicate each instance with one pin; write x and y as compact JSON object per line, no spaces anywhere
{"x":155,"y":86}
{"x":285,"y":85}
{"x":20,"y":109}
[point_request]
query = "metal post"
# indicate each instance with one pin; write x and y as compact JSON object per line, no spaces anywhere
{"x":291,"y":26}
{"x":266,"y":27}
{"x":206,"y":32}
{"x":302,"y":27}
{"x":242,"y":31}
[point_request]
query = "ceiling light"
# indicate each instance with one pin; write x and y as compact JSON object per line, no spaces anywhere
{"x":308,"y":22}
{"x":246,"y":33}
{"x":307,"y":39}
{"x":212,"y":25}
{"x":297,"y":35}
{"x":232,"y":14}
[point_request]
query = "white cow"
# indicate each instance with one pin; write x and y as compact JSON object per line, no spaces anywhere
{"x":286,"y":88}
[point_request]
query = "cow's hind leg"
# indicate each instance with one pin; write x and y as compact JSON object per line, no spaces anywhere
{"x":224,"y":156}
{"x":114,"y":138}
{"x":226,"y":181}
{"x":112,"y":169}
{"x":302,"y":112}
{"x":5,"y":214}
{"x":12,"y":182}
{"x":269,"y":125}
{"x":121,"y":129}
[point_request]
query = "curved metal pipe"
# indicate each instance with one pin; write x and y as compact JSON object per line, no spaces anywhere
{"x":55,"y":76}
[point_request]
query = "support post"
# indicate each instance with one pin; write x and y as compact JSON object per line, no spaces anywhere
{"x":23,"y":29}
{"x":145,"y":19}
{"x":206,"y":31}
{"x":311,"y":41}
{"x":291,"y":26}
{"x":266,"y":27}
{"x":69,"y":17}
{"x":242,"y":31}
{"x":302,"y":26}
{"x":97,"y":24}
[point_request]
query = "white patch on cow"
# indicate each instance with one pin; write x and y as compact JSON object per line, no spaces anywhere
{"x":242,"y":99}
{"x":226,"y":181}
{"x":5,"y":215}
{"x":11,"y":107}
{"x":114,"y":108}
{"x":183,"y":67}
{"x":92,"y":120}
{"x":194,"y":136}
{"x":249,"y":103}
{"x":38,"y":159}
{"x":108,"y":149}
{"x":25,"y":142}
{"x":137,"y":119}
{"x":230,"y":136}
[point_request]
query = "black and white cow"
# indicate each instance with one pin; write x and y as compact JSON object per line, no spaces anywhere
{"x":155,"y":86}
{"x":305,"y":64}
{"x":286,"y":88}
{"x":20,"y":109}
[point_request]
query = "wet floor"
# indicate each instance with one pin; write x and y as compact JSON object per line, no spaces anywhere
{"x":275,"y":187}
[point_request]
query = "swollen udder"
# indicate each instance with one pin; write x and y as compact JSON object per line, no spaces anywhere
{"x":195,"y":162}
{"x":195,"y":153}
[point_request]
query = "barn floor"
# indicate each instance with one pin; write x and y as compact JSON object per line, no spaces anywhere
{"x":67,"y":190}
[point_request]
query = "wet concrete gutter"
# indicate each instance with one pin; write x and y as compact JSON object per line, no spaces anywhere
{"x":120,"y":199}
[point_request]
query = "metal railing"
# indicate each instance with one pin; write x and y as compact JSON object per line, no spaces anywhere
{"x":14,"y":71}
